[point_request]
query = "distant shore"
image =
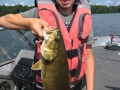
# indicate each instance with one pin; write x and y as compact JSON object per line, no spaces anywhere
{"x":95,"y":9}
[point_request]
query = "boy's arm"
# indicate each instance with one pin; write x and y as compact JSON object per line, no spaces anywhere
{"x":17,"y":22}
{"x":14,"y":21}
{"x":90,"y":69}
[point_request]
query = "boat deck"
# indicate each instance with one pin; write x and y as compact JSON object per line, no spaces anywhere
{"x":107,"y":69}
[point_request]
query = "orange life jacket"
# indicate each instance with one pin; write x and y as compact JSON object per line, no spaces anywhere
{"x":74,"y":39}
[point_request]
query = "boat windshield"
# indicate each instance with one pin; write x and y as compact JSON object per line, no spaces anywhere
{"x":12,"y":41}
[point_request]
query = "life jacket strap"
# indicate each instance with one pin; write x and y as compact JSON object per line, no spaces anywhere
{"x":72,"y":53}
{"x":73,"y":72}
{"x":81,"y":31}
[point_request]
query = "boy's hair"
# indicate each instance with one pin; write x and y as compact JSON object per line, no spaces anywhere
{"x":35,"y":2}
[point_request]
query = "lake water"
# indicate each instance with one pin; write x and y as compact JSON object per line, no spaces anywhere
{"x":104,"y":24}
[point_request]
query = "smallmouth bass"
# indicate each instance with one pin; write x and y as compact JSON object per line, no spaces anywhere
{"x":53,"y":64}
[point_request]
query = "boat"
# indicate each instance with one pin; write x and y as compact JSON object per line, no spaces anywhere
{"x":17,"y":54}
{"x":107,"y":63}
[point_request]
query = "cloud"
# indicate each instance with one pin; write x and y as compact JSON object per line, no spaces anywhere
{"x":98,"y":4}
{"x":13,"y":5}
{"x":6,"y":4}
{"x":118,"y":3}
{"x":109,"y":2}
{"x":33,"y":5}
{"x":22,"y":3}
{"x":16,"y":2}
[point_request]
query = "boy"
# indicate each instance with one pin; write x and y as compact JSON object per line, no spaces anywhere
{"x":30,"y":21}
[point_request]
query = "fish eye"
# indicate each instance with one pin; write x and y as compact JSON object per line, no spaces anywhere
{"x":56,"y":39}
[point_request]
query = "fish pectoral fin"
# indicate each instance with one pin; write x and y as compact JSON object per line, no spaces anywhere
{"x":37,"y":65}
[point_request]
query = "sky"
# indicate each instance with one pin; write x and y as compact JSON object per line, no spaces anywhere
{"x":31,"y":2}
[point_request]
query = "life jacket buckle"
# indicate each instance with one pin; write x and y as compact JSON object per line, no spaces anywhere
{"x":72,"y":53}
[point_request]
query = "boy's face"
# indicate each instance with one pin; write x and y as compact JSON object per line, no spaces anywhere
{"x":65,"y":4}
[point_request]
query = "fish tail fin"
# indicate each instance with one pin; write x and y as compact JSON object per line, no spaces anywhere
{"x":37,"y":65}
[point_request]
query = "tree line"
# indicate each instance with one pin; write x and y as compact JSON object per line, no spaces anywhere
{"x":13,"y":9}
{"x":95,"y":9}
{"x":99,"y":9}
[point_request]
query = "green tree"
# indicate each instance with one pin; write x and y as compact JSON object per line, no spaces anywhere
{"x":95,"y":9}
